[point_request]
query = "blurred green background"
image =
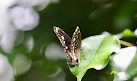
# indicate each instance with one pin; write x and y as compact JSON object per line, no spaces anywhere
{"x":47,"y":60}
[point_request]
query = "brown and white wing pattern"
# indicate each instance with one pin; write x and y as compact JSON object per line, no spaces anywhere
{"x":76,"y":46}
{"x":65,"y":40}
{"x":71,"y":47}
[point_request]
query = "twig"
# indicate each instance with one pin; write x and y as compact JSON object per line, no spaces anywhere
{"x":126,"y":43}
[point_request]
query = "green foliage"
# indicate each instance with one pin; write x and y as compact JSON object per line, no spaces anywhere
{"x":96,"y":51}
{"x":126,"y":33}
{"x":95,"y":54}
{"x":37,"y":55}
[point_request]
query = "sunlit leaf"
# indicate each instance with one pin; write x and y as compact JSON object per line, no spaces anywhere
{"x":124,"y":64}
{"x":126,"y":33}
{"x":135,"y":32}
{"x":95,"y":54}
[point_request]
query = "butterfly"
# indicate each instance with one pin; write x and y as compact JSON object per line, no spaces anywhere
{"x":72,"y":47}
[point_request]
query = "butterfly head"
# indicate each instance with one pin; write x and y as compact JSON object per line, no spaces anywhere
{"x":75,"y":62}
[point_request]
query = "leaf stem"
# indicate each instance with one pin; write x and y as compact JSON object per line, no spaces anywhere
{"x":78,"y":79}
{"x":126,"y":43}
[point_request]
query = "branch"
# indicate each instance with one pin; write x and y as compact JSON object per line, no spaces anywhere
{"x":126,"y":43}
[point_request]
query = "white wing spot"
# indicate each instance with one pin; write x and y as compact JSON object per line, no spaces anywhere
{"x":76,"y":36}
{"x":57,"y":29}
{"x":62,"y":37}
{"x":70,"y":54}
{"x":66,"y":47}
{"x":74,"y":39}
{"x":73,"y":47}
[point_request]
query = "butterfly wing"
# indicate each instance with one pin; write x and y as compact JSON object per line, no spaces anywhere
{"x":65,"y":41}
{"x":76,"y":46}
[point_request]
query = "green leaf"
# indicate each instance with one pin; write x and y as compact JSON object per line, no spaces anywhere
{"x":126,"y":33}
{"x":124,"y":64}
{"x":95,"y":54}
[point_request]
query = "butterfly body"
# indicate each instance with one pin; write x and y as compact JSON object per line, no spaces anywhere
{"x":72,"y":47}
